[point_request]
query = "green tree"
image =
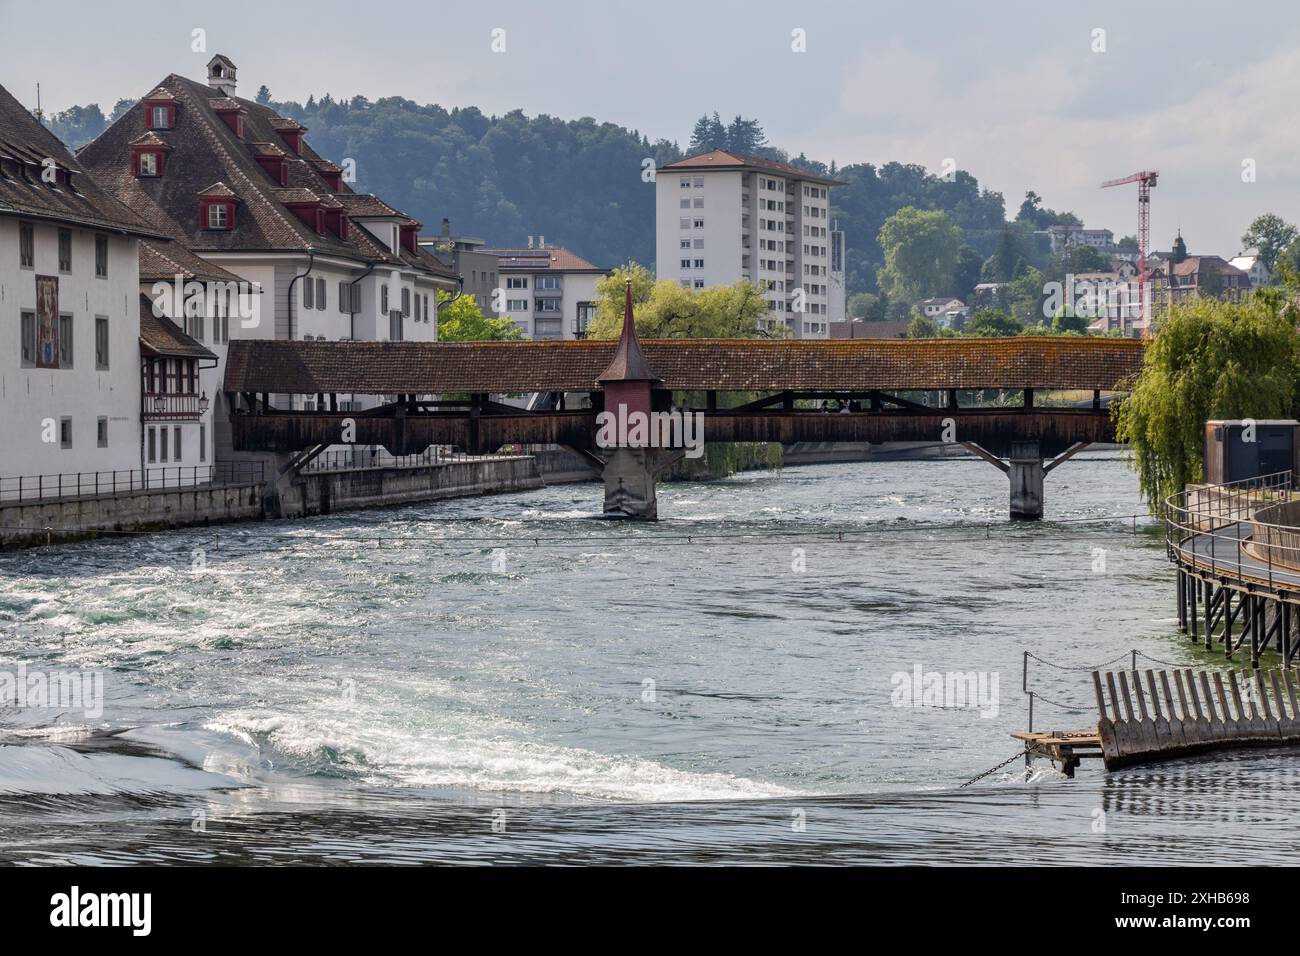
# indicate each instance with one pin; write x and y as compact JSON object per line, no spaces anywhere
{"x":921,"y":328}
{"x":461,"y":320}
{"x":920,"y":253}
{"x":1269,"y":234}
{"x":1212,"y":359}
{"x":867,"y":306}
{"x":991,"y":323}
{"x":709,"y":133}
{"x":966,"y":274}
{"x":263,"y":94}
{"x":666,"y":310}
{"x":78,"y":125}
{"x":1024,"y":297}
{"x":746,"y":136}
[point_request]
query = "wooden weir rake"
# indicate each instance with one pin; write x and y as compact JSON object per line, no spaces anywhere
{"x":1195,"y":724}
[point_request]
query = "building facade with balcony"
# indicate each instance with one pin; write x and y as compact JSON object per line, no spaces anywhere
{"x":548,"y":292}
{"x":175,"y":405}
{"x":69,"y":286}
{"x":722,"y":217}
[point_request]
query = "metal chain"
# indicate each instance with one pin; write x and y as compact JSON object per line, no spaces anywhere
{"x":1064,"y":667}
{"x":1067,"y":707}
{"x":1156,"y":660}
{"x":981,"y":776}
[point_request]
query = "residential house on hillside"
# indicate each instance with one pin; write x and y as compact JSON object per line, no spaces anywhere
{"x":1181,"y":277}
{"x":1252,"y":264}
{"x":945,"y":312}
{"x":549,"y":292}
{"x":238,"y":186}
{"x":69,"y":285}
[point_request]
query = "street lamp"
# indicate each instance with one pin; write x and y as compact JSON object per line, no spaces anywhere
{"x":159,"y":404}
{"x":203,"y":403}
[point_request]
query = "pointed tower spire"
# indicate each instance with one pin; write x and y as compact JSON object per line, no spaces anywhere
{"x":628,"y":364}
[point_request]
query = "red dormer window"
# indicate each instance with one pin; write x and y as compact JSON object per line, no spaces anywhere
{"x":272,"y":158}
{"x":148,"y":156}
{"x":333,"y":178}
{"x":410,"y":231}
{"x":310,"y":213}
{"x":291,"y":131}
{"x":217,"y":208}
{"x":160,"y":113}
{"x":336,"y":221}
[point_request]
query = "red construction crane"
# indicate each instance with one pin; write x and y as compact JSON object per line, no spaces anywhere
{"x":1145,"y":180}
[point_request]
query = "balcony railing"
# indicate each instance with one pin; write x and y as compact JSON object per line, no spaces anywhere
{"x":97,"y":484}
{"x":172,"y":406}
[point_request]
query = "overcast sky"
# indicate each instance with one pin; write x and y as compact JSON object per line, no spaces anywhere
{"x":1013,"y":92}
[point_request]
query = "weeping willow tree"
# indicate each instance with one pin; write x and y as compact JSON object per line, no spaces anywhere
{"x":1210,"y":360}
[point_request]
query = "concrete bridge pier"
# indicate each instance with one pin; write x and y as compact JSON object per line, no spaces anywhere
{"x":1026,"y":472}
{"x":1025,"y":469}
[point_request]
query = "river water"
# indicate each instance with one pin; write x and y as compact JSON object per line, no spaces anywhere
{"x":504,"y":679}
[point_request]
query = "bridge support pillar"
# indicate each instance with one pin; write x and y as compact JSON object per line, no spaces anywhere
{"x":1026,"y":469}
{"x":1026,"y":472}
{"x":629,"y":475}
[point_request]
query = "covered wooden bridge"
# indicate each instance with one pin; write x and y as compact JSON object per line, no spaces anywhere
{"x":1023,"y":403}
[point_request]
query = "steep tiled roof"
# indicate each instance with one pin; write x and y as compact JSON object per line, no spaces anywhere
{"x":161,"y":336}
{"x":727,"y":365}
{"x":24,"y":141}
{"x":161,"y":260}
{"x":206,"y":151}
{"x":724,"y":159}
{"x":535,"y":260}
{"x":149,"y":138}
{"x":217,"y":189}
{"x":364,"y":204}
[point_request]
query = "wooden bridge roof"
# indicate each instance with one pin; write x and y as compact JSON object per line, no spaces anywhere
{"x":376,"y":368}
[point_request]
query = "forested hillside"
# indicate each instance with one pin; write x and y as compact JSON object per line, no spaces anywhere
{"x":579,"y":182}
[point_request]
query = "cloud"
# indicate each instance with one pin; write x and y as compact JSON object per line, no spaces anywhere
{"x":1020,"y":126}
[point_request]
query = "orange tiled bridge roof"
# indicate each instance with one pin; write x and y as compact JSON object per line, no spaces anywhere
{"x":1038,"y":362}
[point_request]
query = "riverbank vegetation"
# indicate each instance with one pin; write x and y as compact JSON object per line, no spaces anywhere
{"x":1211,"y":360}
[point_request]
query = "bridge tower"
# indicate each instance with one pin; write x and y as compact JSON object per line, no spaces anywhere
{"x":629,"y":391}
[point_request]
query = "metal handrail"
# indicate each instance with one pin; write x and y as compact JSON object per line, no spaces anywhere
{"x":60,"y":485}
{"x":1197,"y":514}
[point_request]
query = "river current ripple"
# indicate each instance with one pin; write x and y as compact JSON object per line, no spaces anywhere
{"x":504,"y":679}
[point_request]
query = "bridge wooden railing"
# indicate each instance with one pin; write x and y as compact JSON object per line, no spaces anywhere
{"x":1055,"y":429}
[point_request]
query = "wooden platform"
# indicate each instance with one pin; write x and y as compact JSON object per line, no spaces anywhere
{"x":1065,"y":747}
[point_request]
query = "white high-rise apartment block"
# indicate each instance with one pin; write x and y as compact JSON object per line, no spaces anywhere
{"x":721,"y":217}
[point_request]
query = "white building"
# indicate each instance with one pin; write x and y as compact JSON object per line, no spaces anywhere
{"x":1251,"y":264}
{"x":1062,"y":236}
{"x":69,"y":280}
{"x":721,"y":218}
{"x":549,"y":292}
{"x":237,"y":185}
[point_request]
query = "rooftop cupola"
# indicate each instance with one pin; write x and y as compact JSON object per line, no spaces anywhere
{"x":221,"y":75}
